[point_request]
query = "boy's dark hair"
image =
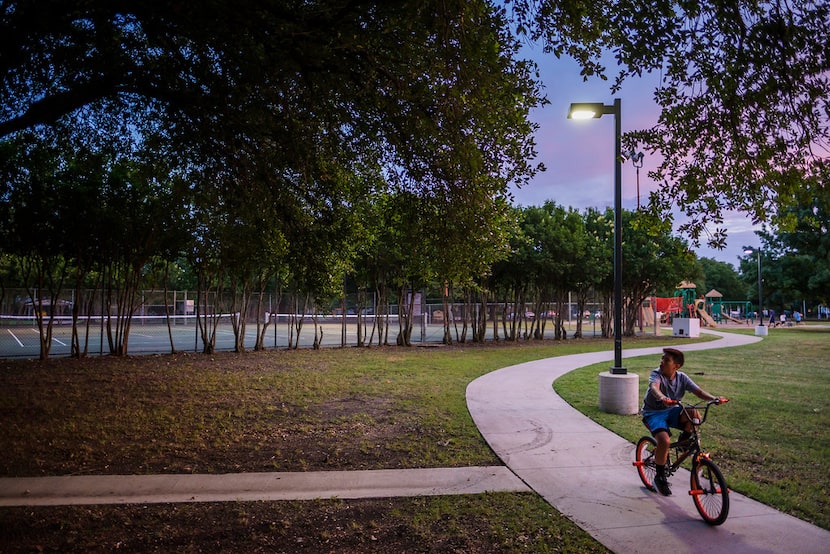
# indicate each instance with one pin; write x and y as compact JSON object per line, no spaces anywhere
{"x":676,"y":355}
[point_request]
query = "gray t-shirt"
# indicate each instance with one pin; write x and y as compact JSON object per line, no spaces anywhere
{"x":674,"y":389}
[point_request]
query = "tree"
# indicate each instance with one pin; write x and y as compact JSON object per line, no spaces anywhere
{"x":805,"y":240}
{"x":771,"y":276}
{"x":50,"y":210}
{"x":511,"y":279}
{"x":599,"y":227}
{"x":652,"y":258}
{"x":595,"y":270}
{"x":744,"y":93}
{"x":556,"y":247}
{"x":138,"y":216}
{"x":464,"y":237}
{"x":795,"y":261}
{"x":722,"y":277}
{"x":32,"y":226}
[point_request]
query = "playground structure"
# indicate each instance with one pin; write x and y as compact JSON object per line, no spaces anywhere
{"x":711,"y":308}
{"x":700,"y":309}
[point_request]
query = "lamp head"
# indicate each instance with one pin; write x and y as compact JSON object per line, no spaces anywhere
{"x":586,"y":110}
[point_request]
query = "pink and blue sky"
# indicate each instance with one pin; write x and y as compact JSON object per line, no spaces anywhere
{"x":579,"y":155}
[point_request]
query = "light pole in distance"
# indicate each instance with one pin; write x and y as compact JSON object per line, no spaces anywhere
{"x":759,"y":329}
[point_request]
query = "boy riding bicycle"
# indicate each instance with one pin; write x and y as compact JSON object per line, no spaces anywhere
{"x":668,"y":383}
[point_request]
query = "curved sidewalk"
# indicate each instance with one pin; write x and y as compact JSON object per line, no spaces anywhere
{"x":585,"y":470}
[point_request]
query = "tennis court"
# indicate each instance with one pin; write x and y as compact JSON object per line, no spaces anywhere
{"x":19,"y":336}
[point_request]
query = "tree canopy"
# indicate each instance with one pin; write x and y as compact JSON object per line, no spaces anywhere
{"x":744,"y":93}
{"x":796,"y":263}
{"x":420,"y":87}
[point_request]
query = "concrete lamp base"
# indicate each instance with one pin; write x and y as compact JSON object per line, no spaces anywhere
{"x":619,"y":393}
{"x":761,"y":330}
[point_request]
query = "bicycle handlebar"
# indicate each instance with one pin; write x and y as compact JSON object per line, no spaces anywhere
{"x":719,"y":400}
{"x":709,"y":403}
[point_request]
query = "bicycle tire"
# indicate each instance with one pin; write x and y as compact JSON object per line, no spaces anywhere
{"x":709,"y":492}
{"x":644,"y":461}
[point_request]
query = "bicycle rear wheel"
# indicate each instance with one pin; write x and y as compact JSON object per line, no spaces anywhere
{"x":644,"y":461}
{"x":709,"y":491}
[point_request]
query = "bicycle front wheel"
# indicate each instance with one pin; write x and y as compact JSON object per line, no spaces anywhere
{"x":709,"y":491}
{"x":644,"y":461}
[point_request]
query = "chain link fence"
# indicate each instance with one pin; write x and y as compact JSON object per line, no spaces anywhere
{"x":166,"y":322}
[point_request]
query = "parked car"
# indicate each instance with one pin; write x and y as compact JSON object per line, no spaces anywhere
{"x":527,"y":315}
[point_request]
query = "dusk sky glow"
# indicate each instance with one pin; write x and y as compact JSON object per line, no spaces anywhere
{"x":579,"y":155}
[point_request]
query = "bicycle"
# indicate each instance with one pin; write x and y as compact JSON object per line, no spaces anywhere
{"x":708,"y":487}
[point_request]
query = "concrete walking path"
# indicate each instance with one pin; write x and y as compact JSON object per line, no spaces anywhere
{"x":585,"y":471}
{"x":149,"y":489}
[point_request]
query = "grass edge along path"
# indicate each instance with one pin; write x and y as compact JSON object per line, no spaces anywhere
{"x":772,"y":441}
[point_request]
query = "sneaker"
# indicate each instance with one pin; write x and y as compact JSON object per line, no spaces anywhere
{"x":662,"y":485}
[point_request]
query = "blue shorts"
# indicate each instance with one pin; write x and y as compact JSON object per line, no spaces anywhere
{"x":663,"y":420}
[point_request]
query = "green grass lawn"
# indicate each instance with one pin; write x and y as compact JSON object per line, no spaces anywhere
{"x":372,"y":409}
{"x":772,"y":440}
{"x":268,"y":411}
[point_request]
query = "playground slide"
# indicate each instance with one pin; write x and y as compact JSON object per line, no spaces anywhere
{"x":730,"y":318}
{"x":706,"y":317}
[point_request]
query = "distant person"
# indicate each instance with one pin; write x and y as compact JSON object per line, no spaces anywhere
{"x":772,"y":318}
{"x":797,"y":317}
{"x":667,"y":382}
{"x":783,"y":319}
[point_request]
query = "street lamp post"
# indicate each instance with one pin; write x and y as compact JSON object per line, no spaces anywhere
{"x":589,"y":110}
{"x":759,"y":329}
{"x":618,"y":389}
